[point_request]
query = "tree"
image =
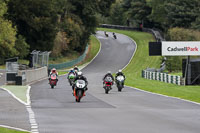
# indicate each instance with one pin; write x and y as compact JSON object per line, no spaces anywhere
{"x":181,"y":13}
{"x":7,"y":35}
{"x":138,"y":10}
{"x":117,"y":15}
{"x":36,"y":20}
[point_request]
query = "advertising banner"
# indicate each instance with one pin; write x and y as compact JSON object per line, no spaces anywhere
{"x":177,"y":48}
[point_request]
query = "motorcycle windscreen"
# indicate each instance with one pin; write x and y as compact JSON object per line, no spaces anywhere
{"x":108,"y":79}
{"x":80,"y":83}
{"x":120,"y":78}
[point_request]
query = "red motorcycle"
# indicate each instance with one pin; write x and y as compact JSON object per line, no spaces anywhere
{"x":108,"y":82}
{"x":53,"y":80}
{"x":79,"y":89}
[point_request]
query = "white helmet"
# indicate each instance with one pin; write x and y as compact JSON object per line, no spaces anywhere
{"x":79,"y":73}
{"x":120,"y":70}
{"x":109,"y":72}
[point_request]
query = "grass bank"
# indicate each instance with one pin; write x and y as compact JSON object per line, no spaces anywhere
{"x":6,"y":130}
{"x":142,"y":60}
{"x":94,"y":46}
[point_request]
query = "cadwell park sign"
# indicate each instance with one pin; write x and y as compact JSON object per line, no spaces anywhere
{"x":180,"y":48}
{"x":174,"y":48}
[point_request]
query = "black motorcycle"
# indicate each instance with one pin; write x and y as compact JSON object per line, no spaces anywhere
{"x":120,"y":82}
{"x":114,"y":35}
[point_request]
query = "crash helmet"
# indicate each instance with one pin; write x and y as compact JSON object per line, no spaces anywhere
{"x":120,"y":71}
{"x":79,"y":73}
{"x":53,"y":70}
{"x":109,"y":72}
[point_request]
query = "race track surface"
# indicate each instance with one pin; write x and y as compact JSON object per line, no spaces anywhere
{"x":129,"y":111}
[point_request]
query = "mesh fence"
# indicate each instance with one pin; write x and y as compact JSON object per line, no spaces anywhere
{"x":70,"y":63}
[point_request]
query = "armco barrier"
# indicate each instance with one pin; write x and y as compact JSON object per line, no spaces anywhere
{"x":163,"y":77}
{"x":154,"y":32}
{"x":29,"y":76}
{"x":70,"y":63}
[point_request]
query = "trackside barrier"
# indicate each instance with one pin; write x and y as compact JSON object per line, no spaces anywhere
{"x":32,"y":75}
{"x":154,"y":32}
{"x":70,"y":63}
{"x":163,"y":77}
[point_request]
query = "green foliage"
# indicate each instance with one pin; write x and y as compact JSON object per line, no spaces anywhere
{"x":137,"y":10}
{"x":158,"y":14}
{"x":22,"y":47}
{"x":117,"y":15}
{"x":181,"y":13}
{"x":7,"y":35}
{"x":36,"y":20}
{"x":181,"y":34}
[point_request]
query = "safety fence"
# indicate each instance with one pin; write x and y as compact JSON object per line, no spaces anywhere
{"x":156,"y":33}
{"x":163,"y":77}
{"x":70,"y":63}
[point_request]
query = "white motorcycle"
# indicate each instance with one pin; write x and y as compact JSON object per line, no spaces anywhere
{"x":119,"y":82}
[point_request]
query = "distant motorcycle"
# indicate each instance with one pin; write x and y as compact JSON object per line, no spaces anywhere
{"x":105,"y":34}
{"x":114,"y":35}
{"x":119,"y":82}
{"x":71,"y":77}
{"x":53,"y":80}
{"x":108,"y":82}
{"x":79,"y":89}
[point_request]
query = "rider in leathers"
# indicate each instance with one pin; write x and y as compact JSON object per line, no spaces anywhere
{"x":108,"y":75}
{"x":119,"y":73}
{"x":78,"y":77}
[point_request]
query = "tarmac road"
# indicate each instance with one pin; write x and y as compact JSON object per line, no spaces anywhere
{"x":129,"y":111}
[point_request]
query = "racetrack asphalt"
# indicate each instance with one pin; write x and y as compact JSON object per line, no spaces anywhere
{"x":129,"y":111}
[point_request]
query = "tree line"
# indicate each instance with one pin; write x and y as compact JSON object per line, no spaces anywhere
{"x":59,"y":26}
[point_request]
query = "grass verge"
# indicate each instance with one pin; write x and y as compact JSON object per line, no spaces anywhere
{"x":142,"y":60}
{"x":94,"y":46}
{"x":6,"y":130}
{"x":18,"y":91}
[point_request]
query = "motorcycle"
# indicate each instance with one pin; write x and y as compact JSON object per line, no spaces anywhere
{"x":108,"y":84}
{"x":79,"y":89}
{"x":119,"y":82}
{"x":71,"y":77}
{"x":53,"y":80}
{"x":115,"y":37}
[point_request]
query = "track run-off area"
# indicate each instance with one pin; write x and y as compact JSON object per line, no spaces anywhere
{"x":129,"y":111}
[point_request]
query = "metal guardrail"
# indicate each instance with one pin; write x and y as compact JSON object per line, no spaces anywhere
{"x":155,"y":33}
{"x":163,"y":77}
{"x":70,"y":63}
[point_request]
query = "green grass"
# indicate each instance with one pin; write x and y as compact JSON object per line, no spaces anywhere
{"x":142,"y":60}
{"x":94,"y":46}
{"x":93,"y":49}
{"x":70,"y":56}
{"x":6,"y":130}
{"x":18,"y":91}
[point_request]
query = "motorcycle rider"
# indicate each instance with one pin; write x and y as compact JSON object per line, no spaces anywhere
{"x":74,"y":73}
{"x":80,"y":77}
{"x":119,"y":73}
{"x":108,"y":75}
{"x":53,"y":71}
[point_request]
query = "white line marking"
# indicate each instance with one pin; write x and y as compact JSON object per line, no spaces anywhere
{"x":133,"y":52}
{"x":32,"y":120}
{"x":164,"y":95}
{"x":14,"y":128}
